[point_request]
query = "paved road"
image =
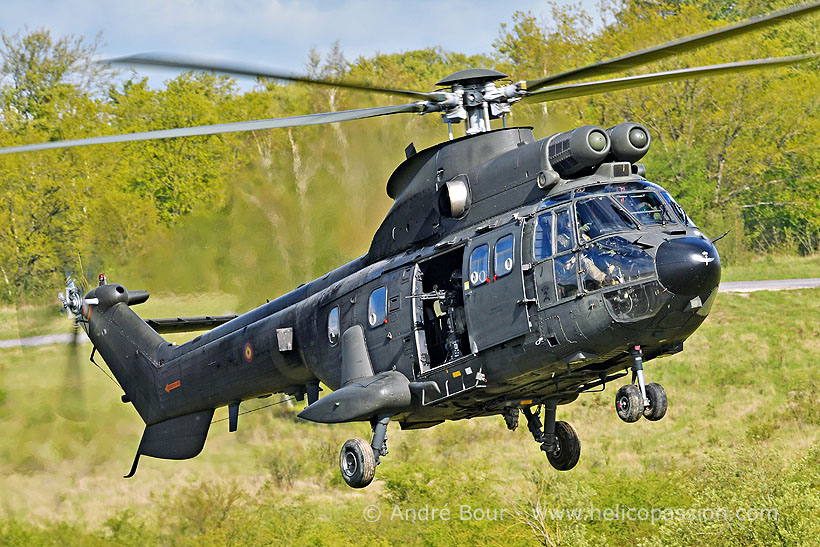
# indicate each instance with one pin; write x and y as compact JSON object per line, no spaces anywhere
{"x":41,"y":340}
{"x":772,"y":285}
{"x":728,"y":286}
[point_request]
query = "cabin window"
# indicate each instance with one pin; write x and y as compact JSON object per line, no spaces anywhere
{"x":564,"y":234}
{"x":645,"y":206}
{"x":333,"y":326}
{"x":543,"y":237}
{"x":377,"y":308}
{"x":600,"y":216}
{"x":479,"y":265}
{"x":504,"y":255}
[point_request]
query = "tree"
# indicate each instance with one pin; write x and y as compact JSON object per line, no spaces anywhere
{"x":49,"y":91}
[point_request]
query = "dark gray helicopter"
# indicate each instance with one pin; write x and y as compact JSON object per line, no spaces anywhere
{"x":511,"y":273}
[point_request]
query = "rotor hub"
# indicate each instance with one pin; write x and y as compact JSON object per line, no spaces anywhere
{"x":478,"y":100}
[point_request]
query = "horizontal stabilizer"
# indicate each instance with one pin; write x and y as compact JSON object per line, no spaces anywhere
{"x":188,"y":324}
{"x":179,"y":438}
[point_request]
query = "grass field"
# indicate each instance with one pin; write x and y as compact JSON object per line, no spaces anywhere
{"x":736,"y":461}
{"x":773,"y":267}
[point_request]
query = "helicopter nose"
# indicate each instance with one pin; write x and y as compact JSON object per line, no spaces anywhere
{"x":688,"y":266}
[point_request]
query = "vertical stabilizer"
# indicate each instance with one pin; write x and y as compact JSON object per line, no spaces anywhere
{"x":129,"y":346}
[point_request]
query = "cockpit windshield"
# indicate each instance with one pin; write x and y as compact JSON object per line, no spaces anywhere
{"x":599,"y":216}
{"x":647,"y":207}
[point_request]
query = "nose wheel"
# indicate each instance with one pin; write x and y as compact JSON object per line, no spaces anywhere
{"x":657,"y":402}
{"x":559,"y":441}
{"x":647,"y":400}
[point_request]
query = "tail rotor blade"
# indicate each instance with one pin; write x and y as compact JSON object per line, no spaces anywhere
{"x":72,"y":397}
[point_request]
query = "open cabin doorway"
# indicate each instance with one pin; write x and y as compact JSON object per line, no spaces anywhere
{"x":438,"y":310}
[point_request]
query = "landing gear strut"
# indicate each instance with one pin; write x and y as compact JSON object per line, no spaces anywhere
{"x":358,"y":459}
{"x":558,"y":439}
{"x":648,"y":400}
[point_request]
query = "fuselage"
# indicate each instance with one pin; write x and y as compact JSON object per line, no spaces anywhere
{"x":530,"y":295}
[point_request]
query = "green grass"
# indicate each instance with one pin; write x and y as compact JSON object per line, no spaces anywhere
{"x":742,"y":431}
{"x":773,"y":267}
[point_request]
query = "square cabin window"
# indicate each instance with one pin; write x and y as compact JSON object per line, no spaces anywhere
{"x":377,"y":308}
{"x":504,"y":255}
{"x":479,"y":265}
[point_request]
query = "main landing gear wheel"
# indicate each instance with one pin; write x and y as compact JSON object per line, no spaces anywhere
{"x":657,"y":402}
{"x":629,"y":403}
{"x":558,"y":440}
{"x":357,"y":462}
{"x":566,"y":449}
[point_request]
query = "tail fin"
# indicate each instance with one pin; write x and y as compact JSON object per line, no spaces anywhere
{"x":130,"y":347}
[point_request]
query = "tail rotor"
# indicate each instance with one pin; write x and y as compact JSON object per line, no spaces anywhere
{"x":71,"y":404}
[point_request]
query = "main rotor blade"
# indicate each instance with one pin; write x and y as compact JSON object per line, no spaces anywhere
{"x":245,"y":69}
{"x":631,"y":60}
{"x":582,"y":89}
{"x":274,"y":123}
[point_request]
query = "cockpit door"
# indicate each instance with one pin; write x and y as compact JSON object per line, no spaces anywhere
{"x":494,"y":288}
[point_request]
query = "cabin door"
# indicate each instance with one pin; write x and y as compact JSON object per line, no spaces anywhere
{"x":493,"y":288}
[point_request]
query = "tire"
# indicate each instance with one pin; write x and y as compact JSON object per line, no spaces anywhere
{"x":629,"y":403}
{"x":568,"y":447}
{"x":657,"y":402}
{"x":357,"y":463}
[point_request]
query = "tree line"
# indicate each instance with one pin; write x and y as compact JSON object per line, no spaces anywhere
{"x":258,"y":213}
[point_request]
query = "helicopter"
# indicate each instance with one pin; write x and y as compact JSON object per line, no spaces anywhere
{"x":510,"y":275}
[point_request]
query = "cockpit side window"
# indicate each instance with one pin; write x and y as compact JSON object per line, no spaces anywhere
{"x":566,"y":275}
{"x":504,"y":255}
{"x":564,"y":234}
{"x":600,"y":216}
{"x":377,"y":307}
{"x":333,"y":326}
{"x":479,"y":265}
{"x":645,"y":206}
{"x":543,"y":237}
